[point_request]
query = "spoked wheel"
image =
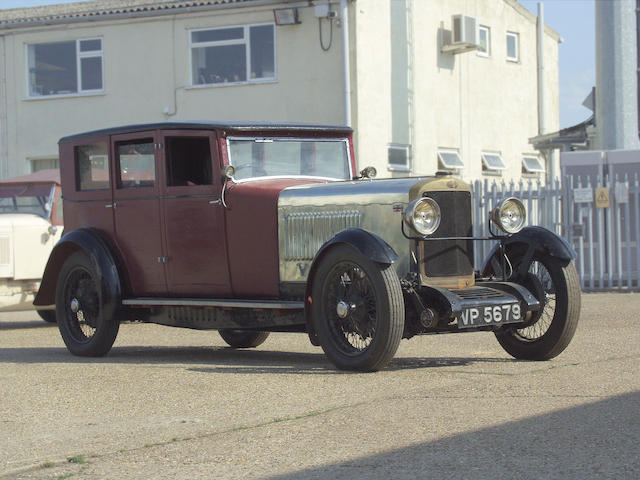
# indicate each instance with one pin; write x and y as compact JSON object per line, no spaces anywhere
{"x":84,"y":325}
{"x":548,"y":332}
{"x":243,"y":338}
{"x":358,"y":310}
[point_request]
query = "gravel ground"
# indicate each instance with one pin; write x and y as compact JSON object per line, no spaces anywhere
{"x":178,"y":404}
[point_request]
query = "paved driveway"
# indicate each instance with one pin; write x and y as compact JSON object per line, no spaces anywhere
{"x":174,"y":404}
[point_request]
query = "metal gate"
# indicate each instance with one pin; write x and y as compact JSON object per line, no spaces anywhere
{"x":600,"y":218}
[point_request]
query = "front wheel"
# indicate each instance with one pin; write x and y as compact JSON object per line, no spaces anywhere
{"x":556,"y":285}
{"x":86,"y":327}
{"x":357,"y":309}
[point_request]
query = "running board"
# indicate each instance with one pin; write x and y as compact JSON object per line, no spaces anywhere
{"x":205,"y":302}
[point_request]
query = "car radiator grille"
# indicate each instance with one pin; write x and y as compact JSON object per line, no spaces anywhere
{"x":441,"y":258}
{"x":307,"y":232}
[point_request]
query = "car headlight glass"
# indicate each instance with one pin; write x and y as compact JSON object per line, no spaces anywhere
{"x":423,"y":215}
{"x":510,"y":215}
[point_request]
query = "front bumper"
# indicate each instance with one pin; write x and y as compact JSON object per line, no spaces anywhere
{"x":485,"y":306}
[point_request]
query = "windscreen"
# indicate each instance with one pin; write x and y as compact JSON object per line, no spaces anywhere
{"x":34,"y":199}
{"x":283,"y":157}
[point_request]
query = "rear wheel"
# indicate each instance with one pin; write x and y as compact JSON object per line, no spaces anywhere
{"x":556,"y":285}
{"x":357,"y":309}
{"x":87,"y":330}
{"x":48,"y":315}
{"x":243,"y":338}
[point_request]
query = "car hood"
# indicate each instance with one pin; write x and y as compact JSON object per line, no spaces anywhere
{"x":22,"y":220}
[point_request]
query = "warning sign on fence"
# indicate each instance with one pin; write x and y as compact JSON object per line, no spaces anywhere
{"x":602,"y":197}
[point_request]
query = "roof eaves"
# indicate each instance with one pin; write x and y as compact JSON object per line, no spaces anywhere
{"x":109,"y":9}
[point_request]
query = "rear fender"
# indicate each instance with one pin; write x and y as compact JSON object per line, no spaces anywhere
{"x":368,"y":244}
{"x":101,"y":255}
{"x":530,"y":240}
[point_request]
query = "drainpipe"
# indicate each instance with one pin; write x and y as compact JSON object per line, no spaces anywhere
{"x":4,"y":135}
{"x":542,"y":108}
{"x":344,"y":15}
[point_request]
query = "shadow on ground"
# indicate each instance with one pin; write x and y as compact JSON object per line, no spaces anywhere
{"x":224,"y":359}
{"x":598,"y":440}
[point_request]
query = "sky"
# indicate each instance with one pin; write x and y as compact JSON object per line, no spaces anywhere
{"x":572,"y":19}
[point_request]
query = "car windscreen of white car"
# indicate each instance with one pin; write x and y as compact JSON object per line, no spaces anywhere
{"x":284,"y":157}
{"x":31,"y":199}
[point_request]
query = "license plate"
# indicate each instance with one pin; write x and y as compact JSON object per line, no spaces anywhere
{"x":490,"y":315}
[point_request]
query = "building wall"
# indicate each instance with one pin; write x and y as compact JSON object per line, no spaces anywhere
{"x":147,"y":73}
{"x":464,"y":102}
{"x":403,"y":90}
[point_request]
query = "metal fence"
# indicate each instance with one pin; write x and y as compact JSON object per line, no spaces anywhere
{"x":599,"y":217}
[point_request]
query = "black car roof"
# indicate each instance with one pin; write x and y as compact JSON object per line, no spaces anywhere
{"x":230,"y":126}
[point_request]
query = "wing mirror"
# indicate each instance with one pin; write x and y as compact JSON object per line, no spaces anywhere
{"x":228,"y":172}
{"x":368,"y":172}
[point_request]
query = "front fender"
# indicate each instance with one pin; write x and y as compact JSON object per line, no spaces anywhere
{"x":368,"y":244}
{"x":532,"y":240}
{"x":97,"y":249}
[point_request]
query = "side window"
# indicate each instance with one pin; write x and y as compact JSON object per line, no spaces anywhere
{"x":92,"y":167}
{"x":136,"y":163}
{"x":188,"y":161}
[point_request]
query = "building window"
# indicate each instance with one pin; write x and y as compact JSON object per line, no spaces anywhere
{"x":484,"y":39}
{"x":532,"y":165}
{"x":37,"y":164}
{"x":399,"y":157}
{"x":492,"y":163}
{"x":65,"y":68}
{"x":513,"y":54}
{"x":449,"y":160}
{"x":233,"y":55}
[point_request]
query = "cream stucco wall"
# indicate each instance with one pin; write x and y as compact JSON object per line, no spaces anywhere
{"x":464,"y":102}
{"x":147,"y":72}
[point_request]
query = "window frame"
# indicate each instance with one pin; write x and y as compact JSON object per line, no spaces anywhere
{"x":528,"y":171}
{"x":79,"y":56}
{"x":399,"y":168}
{"x":486,"y":53}
{"x":442,"y":161}
{"x":489,"y":169}
{"x":246,"y":41}
{"x":516,"y":36}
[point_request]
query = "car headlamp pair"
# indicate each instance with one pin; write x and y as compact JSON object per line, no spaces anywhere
{"x":423,"y":216}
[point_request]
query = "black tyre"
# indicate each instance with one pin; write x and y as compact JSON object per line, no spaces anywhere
{"x":86,"y":324}
{"x":243,"y":338}
{"x":357,"y":310}
{"x":48,"y":315}
{"x":556,"y":284}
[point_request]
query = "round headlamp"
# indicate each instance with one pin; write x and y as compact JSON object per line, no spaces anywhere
{"x":510,"y":215}
{"x":423,"y":215}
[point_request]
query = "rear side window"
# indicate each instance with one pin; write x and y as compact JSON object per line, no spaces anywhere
{"x":136,"y":164}
{"x":92,"y":167}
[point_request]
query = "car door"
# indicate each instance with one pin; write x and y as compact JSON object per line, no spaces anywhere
{"x":195,"y":237}
{"x":137,"y":214}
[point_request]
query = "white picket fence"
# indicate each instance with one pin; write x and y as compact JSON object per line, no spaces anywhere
{"x":605,"y":238}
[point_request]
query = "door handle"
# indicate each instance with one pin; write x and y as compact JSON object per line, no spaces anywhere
{"x":217,"y":201}
{"x":111,"y":205}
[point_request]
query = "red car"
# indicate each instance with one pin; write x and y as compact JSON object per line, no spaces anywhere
{"x":258,"y":228}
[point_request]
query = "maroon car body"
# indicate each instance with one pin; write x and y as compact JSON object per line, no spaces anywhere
{"x":257,"y":228}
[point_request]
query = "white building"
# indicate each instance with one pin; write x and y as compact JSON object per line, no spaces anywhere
{"x":417,"y":103}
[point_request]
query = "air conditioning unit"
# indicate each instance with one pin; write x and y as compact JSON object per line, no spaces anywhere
{"x":464,"y":35}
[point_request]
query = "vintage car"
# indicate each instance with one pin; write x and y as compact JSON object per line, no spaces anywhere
{"x":30,"y":226}
{"x":258,"y":228}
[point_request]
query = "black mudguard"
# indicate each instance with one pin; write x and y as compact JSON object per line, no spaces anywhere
{"x":102,"y":257}
{"x":530,"y":240}
{"x":368,"y":244}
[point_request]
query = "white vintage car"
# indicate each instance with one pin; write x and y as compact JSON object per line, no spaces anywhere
{"x":30,"y":225}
